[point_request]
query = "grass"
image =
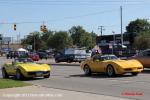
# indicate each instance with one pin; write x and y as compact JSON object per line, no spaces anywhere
{"x":9,"y":83}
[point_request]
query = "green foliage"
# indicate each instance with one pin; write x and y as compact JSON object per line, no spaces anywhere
{"x":81,"y":38}
{"x":142,"y":41}
{"x":8,"y":83}
{"x":137,"y":30}
{"x":34,"y":37}
{"x":77,"y":36}
{"x":139,"y":25}
{"x":60,"y":40}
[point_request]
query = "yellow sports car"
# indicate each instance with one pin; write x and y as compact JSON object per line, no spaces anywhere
{"x":110,"y":65}
{"x":25,"y":67}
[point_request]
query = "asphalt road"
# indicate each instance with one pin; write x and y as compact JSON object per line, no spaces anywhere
{"x":72,"y":78}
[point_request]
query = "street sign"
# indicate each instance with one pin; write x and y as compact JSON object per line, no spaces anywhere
{"x":5,"y":40}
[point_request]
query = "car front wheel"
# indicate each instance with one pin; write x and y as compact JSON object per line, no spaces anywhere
{"x":87,"y":70}
{"x":110,"y":71}
{"x":19,"y":75}
{"x":47,"y":76}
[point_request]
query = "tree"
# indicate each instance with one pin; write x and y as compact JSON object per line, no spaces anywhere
{"x":46,"y":38}
{"x":80,"y":37}
{"x":137,"y":26}
{"x":134,"y":28}
{"x":33,"y":39}
{"x":142,"y":41}
{"x":60,"y":40}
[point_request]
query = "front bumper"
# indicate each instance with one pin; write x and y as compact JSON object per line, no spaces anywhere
{"x":37,"y":74}
{"x":130,"y":70}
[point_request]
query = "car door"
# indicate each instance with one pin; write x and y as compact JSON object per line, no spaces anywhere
{"x":98,"y":65}
{"x":11,"y":68}
{"x":144,"y":58}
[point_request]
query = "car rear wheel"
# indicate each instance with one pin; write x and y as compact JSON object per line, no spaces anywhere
{"x":110,"y":71}
{"x":87,"y":70}
{"x":19,"y":75}
{"x":4,"y":73}
{"x":47,"y":76}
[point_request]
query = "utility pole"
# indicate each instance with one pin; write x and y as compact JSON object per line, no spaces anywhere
{"x":34,"y":42}
{"x":101,"y":29}
{"x":121,"y":25}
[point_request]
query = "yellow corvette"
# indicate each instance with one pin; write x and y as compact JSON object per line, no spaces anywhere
{"x":25,"y":67}
{"x":110,"y":65}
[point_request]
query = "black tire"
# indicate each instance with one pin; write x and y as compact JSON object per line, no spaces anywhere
{"x":134,"y":73}
{"x":47,"y":76}
{"x":4,"y":73}
{"x":19,"y":75}
{"x":69,"y":61}
{"x":56,"y":61}
{"x":87,"y":70}
{"x":110,"y":71}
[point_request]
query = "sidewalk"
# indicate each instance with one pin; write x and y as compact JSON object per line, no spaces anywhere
{"x":43,"y":93}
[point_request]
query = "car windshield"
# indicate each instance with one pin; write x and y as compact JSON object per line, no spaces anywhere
{"x":24,"y":60}
{"x":109,"y":57}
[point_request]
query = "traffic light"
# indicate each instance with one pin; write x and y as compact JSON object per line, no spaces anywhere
{"x":43,"y":28}
{"x":0,"y":37}
{"x":14,"y":27}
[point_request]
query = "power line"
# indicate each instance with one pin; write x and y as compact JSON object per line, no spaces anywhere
{"x":67,"y":2}
{"x":64,"y":18}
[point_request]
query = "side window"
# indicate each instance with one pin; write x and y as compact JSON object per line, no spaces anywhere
{"x":148,"y":53}
{"x":145,"y":53}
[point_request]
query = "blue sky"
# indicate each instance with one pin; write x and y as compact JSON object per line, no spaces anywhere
{"x":63,"y":14}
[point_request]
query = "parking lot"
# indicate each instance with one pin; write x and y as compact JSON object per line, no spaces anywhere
{"x":70,"y":77}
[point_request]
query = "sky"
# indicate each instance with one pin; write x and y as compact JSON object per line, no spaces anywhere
{"x":58,"y":15}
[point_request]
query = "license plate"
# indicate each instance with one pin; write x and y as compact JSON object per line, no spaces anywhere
{"x":39,"y":73}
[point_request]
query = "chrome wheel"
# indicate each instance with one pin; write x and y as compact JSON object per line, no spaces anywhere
{"x":19,"y":76}
{"x":110,"y":71}
{"x":87,"y":70}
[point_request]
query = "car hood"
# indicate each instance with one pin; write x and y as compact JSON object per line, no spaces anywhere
{"x":35,"y":67}
{"x":128,"y":63}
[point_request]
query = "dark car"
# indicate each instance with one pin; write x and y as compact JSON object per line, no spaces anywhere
{"x":42,"y":55}
{"x":143,"y":57}
{"x":70,"y":57}
{"x":63,"y":58}
{"x":11,"y":54}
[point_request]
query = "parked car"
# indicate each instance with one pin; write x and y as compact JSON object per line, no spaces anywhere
{"x":110,"y":65}
{"x":59,"y":57}
{"x":11,"y":54}
{"x":143,"y":57}
{"x":25,"y":67}
{"x":42,"y":55}
{"x":34,"y":56}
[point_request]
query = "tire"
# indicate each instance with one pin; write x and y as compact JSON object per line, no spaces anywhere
{"x":69,"y":61}
{"x":18,"y":75}
{"x":47,"y":76}
{"x":56,"y":60}
{"x":110,"y":71}
{"x":134,"y":73}
{"x":4,"y":73}
{"x":87,"y":70}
